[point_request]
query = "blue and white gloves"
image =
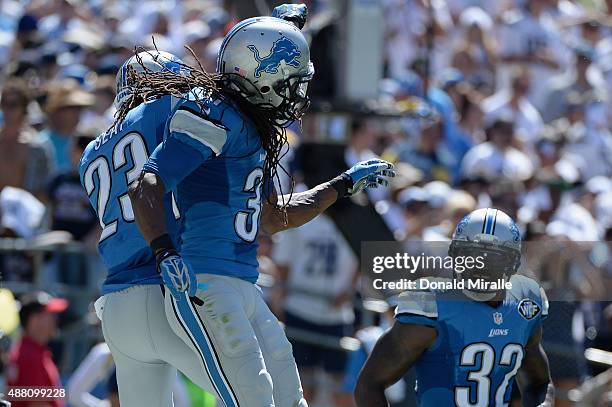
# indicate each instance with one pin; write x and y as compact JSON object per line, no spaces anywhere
{"x":175,"y":273}
{"x":295,"y":13}
{"x":365,"y":174}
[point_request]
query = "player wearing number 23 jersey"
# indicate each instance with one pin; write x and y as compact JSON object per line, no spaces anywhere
{"x":220,"y":155}
{"x":108,"y":164}
{"x":145,"y":349}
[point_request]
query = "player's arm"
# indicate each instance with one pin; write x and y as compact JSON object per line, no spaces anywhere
{"x":302,"y":208}
{"x":395,"y":352}
{"x":291,"y":211}
{"x":192,"y":139}
{"x":534,"y":375}
{"x":147,"y":197}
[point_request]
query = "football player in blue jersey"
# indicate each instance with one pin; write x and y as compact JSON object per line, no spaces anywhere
{"x":220,"y":156}
{"x":468,"y":345}
{"x":143,"y":345}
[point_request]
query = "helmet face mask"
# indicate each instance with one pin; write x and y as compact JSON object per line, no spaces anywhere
{"x":492,"y":239}
{"x":267,"y":60}
{"x":293,"y":92}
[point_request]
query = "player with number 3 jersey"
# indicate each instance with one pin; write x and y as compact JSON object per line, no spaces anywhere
{"x":144,"y":347}
{"x":220,"y":154}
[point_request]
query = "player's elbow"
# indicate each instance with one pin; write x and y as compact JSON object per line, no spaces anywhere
{"x":142,"y":186}
{"x":272,"y":220}
{"x":134,"y":188}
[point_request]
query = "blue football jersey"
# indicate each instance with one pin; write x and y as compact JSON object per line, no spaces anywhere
{"x":110,"y":162}
{"x":479,"y":348}
{"x":213,"y":158}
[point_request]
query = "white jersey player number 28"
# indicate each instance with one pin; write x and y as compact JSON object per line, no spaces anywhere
{"x":481,"y":376}
{"x":101,"y":167}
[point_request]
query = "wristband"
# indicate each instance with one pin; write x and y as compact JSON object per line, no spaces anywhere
{"x":342,"y":184}
{"x":161,"y":243}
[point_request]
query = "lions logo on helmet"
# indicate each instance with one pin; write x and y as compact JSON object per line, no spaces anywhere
{"x":283,"y":49}
{"x":495,"y":237}
{"x":154,"y":60}
{"x":278,"y":79}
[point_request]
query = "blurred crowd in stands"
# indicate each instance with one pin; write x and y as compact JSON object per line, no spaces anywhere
{"x":502,"y":103}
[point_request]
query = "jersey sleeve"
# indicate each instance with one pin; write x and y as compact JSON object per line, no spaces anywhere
{"x":418,"y":308}
{"x":539,"y":295}
{"x":529,"y":291}
{"x":191,"y":139}
{"x":194,"y":128}
{"x":172,"y":161}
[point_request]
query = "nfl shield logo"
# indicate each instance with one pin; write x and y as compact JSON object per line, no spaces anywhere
{"x":498,"y":318}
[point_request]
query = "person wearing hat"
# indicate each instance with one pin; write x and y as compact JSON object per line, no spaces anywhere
{"x":64,"y":105}
{"x":30,"y":361}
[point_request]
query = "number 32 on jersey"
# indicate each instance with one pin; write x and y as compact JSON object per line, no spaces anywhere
{"x":478,"y":395}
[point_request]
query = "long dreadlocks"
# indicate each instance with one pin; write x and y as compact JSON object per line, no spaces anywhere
{"x":149,"y":85}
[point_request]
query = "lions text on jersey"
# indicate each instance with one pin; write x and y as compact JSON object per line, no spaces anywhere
{"x":478,"y":349}
{"x":212,"y":156}
{"x":109,"y":163}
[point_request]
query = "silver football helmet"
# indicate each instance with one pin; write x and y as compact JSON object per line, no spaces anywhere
{"x":154,"y":60}
{"x":268,"y":60}
{"x":492,"y":234}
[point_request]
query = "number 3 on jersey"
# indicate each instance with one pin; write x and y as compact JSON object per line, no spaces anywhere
{"x":246,"y":223}
{"x":100,"y":168}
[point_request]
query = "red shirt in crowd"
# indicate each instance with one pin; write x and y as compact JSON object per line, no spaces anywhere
{"x":31,"y":364}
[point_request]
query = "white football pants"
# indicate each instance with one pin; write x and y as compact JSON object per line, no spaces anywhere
{"x":145,"y":349}
{"x":241,"y":344}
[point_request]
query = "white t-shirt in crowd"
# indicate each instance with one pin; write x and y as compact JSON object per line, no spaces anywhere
{"x":486,"y":160}
{"x":527,"y":120}
{"x":524,"y":35}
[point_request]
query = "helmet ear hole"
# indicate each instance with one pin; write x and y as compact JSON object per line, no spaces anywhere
{"x":264,"y":89}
